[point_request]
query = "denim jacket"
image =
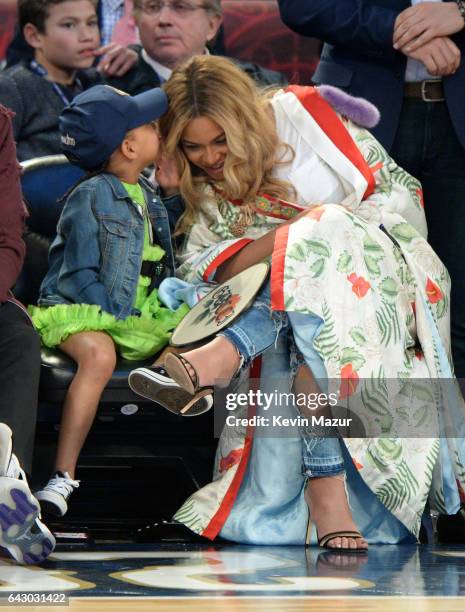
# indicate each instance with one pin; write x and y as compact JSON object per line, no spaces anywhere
{"x":96,"y":256}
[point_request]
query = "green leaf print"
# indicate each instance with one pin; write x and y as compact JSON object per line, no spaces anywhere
{"x":350,"y":355}
{"x":326,"y":343}
{"x":344,"y":263}
{"x":320,"y":247}
{"x":417,"y":390}
{"x":357,"y":336}
{"x":398,"y":490}
{"x":422,"y":415}
{"x":385,"y":452}
{"x":389,"y":288}
{"x":297,"y":252}
{"x":404,"y":232}
{"x":370,"y":245}
{"x":388,"y":323}
{"x":188,"y":515}
{"x":372,"y":265}
{"x":441,"y":308}
{"x":318,"y":267}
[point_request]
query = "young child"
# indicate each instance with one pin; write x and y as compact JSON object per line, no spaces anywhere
{"x":64,"y":35}
{"x":113,"y":246}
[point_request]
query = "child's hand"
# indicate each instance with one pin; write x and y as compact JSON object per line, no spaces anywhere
{"x":167,"y":175}
{"x":116,"y":60}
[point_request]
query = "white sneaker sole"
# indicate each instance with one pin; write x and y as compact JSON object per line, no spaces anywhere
{"x":5,"y":448}
{"x":25,"y":537}
{"x":52,"y":503}
{"x":165,"y":391}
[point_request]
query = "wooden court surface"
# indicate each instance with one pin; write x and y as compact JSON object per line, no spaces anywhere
{"x":291,"y":604}
{"x":239,"y":578}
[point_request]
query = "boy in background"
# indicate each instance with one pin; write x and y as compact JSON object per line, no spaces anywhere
{"x":65,"y":37}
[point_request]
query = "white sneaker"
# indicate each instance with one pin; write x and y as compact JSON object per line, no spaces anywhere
{"x":54,"y":496}
{"x":5,"y":448}
{"x":22,"y":533}
{"x":156,"y":384}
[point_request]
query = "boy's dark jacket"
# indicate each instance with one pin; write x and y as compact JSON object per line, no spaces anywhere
{"x":37,"y":107}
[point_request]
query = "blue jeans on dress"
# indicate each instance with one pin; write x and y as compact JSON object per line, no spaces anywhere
{"x":255,"y":331}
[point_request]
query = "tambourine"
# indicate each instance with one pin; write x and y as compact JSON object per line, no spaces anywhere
{"x":221,"y":306}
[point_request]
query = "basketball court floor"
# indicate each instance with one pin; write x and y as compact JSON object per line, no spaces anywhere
{"x":237,"y":578}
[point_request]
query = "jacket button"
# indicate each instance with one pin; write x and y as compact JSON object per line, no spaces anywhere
{"x":158,"y":229}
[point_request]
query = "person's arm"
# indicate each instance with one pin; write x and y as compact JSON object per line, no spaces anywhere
{"x":349,"y":23}
{"x":10,"y":97}
{"x":252,"y":253}
{"x":12,"y":210}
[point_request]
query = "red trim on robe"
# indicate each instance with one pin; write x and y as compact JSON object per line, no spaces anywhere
{"x":216,"y":524}
{"x":277,"y":268}
{"x":224,"y":255}
{"x":327,"y":119}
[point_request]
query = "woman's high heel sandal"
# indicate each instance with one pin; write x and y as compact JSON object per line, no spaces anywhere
{"x":175,"y":365}
{"x":326,"y":539}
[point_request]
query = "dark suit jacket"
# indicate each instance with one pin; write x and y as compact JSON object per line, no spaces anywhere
{"x":358,"y":55}
{"x":142,"y":77}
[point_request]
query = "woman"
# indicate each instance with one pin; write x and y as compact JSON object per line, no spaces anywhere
{"x":357,"y":261}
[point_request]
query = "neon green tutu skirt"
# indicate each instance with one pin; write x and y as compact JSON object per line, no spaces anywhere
{"x":136,"y":337}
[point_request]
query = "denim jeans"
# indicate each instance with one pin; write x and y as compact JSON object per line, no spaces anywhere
{"x":427,"y":147}
{"x":255,"y":331}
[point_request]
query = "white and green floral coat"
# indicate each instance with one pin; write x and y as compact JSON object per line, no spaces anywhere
{"x":363,"y":265}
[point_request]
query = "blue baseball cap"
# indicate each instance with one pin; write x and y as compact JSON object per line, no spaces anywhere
{"x":97,"y":120}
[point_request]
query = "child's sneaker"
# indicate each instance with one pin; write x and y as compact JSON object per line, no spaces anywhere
{"x":54,"y":496}
{"x":156,"y":384}
{"x":22,"y":533}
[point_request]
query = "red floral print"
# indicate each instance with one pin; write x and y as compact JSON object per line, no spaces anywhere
{"x":227,"y":309}
{"x":359,"y":285}
{"x":419,"y":193}
{"x":349,"y":381}
{"x":226,"y":463}
{"x":433,"y":292}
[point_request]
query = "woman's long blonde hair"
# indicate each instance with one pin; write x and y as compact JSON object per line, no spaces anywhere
{"x":213,"y":87}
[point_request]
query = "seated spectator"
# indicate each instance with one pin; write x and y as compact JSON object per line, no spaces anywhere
{"x":64,"y":35}
{"x":65,"y":38}
{"x":102,"y":299}
{"x":172,"y":32}
{"x":116,"y":25}
{"x":19,"y":362}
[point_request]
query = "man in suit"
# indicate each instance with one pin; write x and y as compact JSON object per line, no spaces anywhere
{"x":405,"y":57}
{"x":171,"y":32}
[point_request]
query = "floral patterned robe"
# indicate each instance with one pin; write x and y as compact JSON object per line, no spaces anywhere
{"x":364,"y":267}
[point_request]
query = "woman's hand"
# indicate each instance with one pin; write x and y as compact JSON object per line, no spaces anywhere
{"x":167,"y":174}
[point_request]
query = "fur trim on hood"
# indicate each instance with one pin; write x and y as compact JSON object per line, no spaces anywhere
{"x":359,"y":110}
